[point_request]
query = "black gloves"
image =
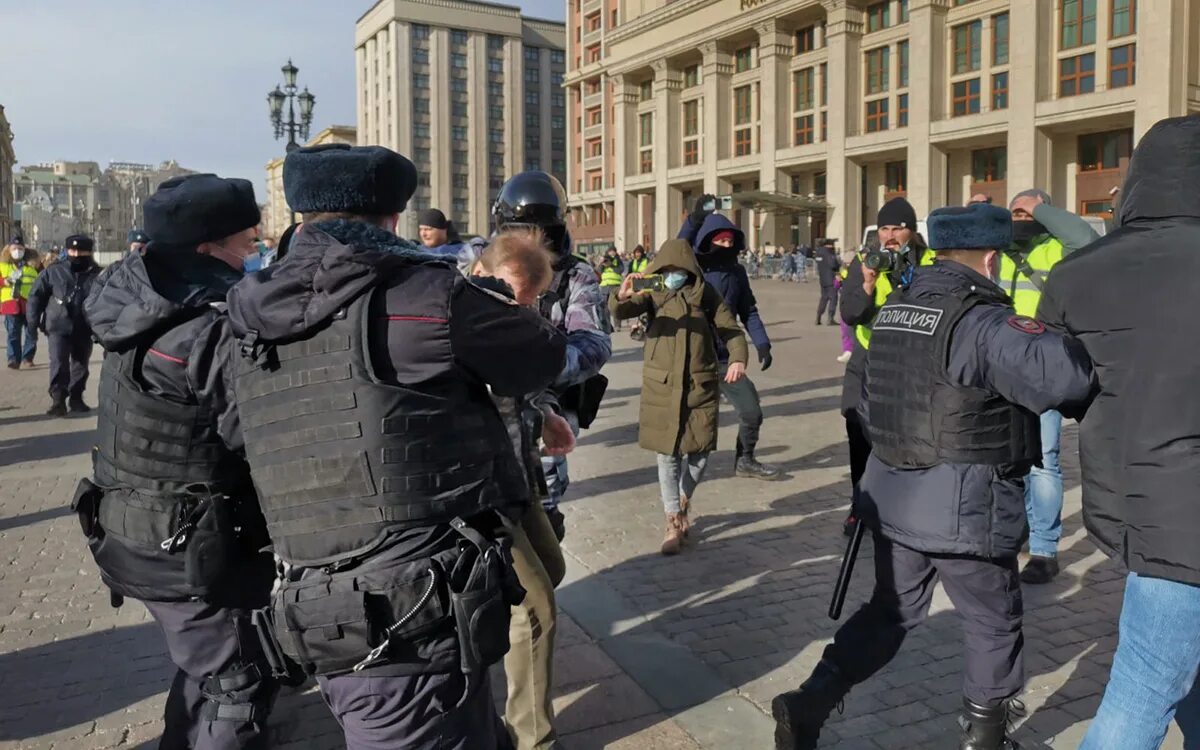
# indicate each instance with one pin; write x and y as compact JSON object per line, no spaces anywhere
{"x":764,"y":357}
{"x":700,"y":211}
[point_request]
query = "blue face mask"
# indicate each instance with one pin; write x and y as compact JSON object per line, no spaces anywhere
{"x":251,"y":263}
{"x":675,"y":279}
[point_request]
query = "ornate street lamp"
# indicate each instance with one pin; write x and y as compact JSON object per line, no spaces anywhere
{"x":292,"y":126}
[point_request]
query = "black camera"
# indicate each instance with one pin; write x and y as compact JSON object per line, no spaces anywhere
{"x":883,"y":259}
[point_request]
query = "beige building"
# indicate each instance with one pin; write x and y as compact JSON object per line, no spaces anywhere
{"x":7,"y":158}
{"x":470,"y":91}
{"x":817,"y":111}
{"x":277,"y":215}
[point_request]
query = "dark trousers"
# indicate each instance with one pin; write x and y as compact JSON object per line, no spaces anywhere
{"x":412,"y":712}
{"x":986,"y":594}
{"x":69,"y":357}
{"x":829,"y":296}
{"x":16,"y":326}
{"x":743,"y":396}
{"x":860,"y":451}
{"x":219,"y":699}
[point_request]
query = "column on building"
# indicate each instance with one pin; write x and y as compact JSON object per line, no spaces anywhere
{"x":626,"y":232}
{"x":668,"y":82}
{"x":477,"y":135}
{"x":545,"y":105}
{"x":1164,"y":28}
{"x":926,"y":186}
{"x":774,"y":56}
{"x":1031,"y":47}
{"x":401,"y":139}
{"x":440,"y":141}
{"x":843,"y":36}
{"x":514,"y":106}
{"x":715,"y":111}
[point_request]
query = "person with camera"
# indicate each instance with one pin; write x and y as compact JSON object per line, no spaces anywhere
{"x":954,"y":384}
{"x":364,"y":372}
{"x":680,"y":397}
{"x":717,"y":242}
{"x":171,"y":516}
{"x":56,"y":308}
{"x":868,"y":283}
{"x":1042,"y":236}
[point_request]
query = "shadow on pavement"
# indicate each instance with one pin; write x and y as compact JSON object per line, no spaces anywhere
{"x":32,"y":518}
{"x":43,"y":447}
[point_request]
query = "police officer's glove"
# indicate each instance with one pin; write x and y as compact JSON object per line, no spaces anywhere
{"x":764,"y":357}
{"x":700,"y":211}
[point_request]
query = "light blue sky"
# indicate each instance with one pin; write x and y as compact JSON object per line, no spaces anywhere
{"x":148,"y":80}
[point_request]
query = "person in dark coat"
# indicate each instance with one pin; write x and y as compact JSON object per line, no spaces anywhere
{"x":364,"y":381}
{"x":828,"y":265}
{"x":955,"y":382}
{"x":162,"y":470}
{"x":717,"y":242}
{"x":1137,"y":443}
{"x":56,"y":308}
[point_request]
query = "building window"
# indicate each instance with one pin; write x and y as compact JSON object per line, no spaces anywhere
{"x":558,"y":57}
{"x":803,"y":86}
{"x":824,"y":126}
{"x":646,"y":161}
{"x":495,"y":42}
{"x":495,"y":65}
{"x":593,"y":53}
{"x":691,"y":76}
{"x":556,"y":78}
{"x":806,"y":40}
{"x":989,"y":164}
{"x":1100,"y":151}
{"x":420,"y":55}
{"x":592,"y":86}
{"x":742,"y":142}
{"x":895,"y":176}
{"x":1077,"y":75}
{"x":819,"y":186}
{"x":1000,"y":39}
{"x":691,"y":152}
{"x":532,"y":75}
{"x":558,"y":123}
{"x":1000,"y":91}
{"x":903,"y":11}
{"x":1121,"y":62}
{"x":1077,"y":19}
{"x":902,"y":62}
{"x":420,"y":31}
{"x":597,"y":182}
{"x":458,"y":109}
{"x":613,"y":20}
{"x":531,"y":98}
{"x":824,"y":68}
{"x":966,"y":98}
{"x":877,"y":70}
{"x":594,"y":147}
{"x":877,"y":16}
{"x":902,"y":111}
{"x":420,"y":81}
{"x":593,"y":22}
{"x":458,"y":85}
{"x":422,"y":179}
{"x":646,"y":129}
{"x":458,"y":133}
{"x":593,"y":116}
{"x":967,"y":41}
{"x":458,"y":36}
{"x":460,"y":181}
{"x":743,"y":59}
{"x":421,"y":155}
{"x":420,"y":130}
{"x":691,"y":118}
{"x":645,"y":91}
{"x":877,"y":115}
{"x":558,"y":99}
{"x":1124,"y":17}
{"x":421,"y":106}
{"x":458,"y":157}
{"x":742,"y":109}
{"x":1095,"y":208}
{"x":803,"y":133}
{"x":496,"y":136}
{"x":532,"y":54}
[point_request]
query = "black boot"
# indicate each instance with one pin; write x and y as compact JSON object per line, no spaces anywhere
{"x":986,"y":727}
{"x":800,"y":714}
{"x":748,"y":466}
{"x":57,"y":409}
{"x":77,"y":405}
{"x":557,"y":522}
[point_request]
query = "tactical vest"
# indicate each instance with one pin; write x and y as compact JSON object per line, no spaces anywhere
{"x":1024,"y":292}
{"x":341,"y":459}
{"x":918,"y":416}
{"x":883,"y":288}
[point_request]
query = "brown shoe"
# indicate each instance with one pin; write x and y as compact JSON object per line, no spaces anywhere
{"x":685,"y":523}
{"x":29,"y":363}
{"x":673,"y":539}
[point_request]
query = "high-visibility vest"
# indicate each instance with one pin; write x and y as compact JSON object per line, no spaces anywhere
{"x":638,"y":265}
{"x":1024,"y":293}
{"x":610,"y":276}
{"x":21,"y":290}
{"x":883,"y":288}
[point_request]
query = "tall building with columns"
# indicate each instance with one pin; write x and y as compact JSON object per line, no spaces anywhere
{"x":470,"y":91}
{"x":812,"y":113}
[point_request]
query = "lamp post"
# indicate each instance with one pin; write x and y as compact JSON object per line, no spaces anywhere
{"x":292,"y":126}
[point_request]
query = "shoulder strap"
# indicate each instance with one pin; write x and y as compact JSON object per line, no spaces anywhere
{"x":1021,"y":261}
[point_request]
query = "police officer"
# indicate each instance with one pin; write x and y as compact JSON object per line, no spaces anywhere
{"x":56,"y":308}
{"x":171,"y":517}
{"x":863,"y":292}
{"x":1042,"y":235}
{"x":955,"y":382}
{"x":717,"y":241}
{"x":137,"y":241}
{"x":574,"y":304}
{"x":381,"y":464}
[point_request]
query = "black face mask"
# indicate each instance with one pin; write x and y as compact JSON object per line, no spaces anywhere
{"x":1025,"y":231}
{"x":81,"y":263}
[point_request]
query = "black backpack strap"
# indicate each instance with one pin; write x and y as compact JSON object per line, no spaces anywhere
{"x":1021,"y":261}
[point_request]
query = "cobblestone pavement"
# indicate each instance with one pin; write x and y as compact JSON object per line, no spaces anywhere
{"x":654,"y":653}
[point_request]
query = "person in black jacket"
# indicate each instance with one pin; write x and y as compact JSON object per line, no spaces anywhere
{"x":1137,"y":445}
{"x":955,"y":382}
{"x":56,"y":308}
{"x":828,"y":265}
{"x":364,"y":381}
{"x":172,"y":513}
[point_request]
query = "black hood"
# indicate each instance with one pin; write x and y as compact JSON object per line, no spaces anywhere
{"x":1164,"y":175}
{"x":328,"y":265}
{"x":144,"y":295}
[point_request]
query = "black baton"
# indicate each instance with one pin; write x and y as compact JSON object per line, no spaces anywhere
{"x":843,"y":579}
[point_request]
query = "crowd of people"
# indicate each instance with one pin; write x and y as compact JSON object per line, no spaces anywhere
{"x":341,"y":456}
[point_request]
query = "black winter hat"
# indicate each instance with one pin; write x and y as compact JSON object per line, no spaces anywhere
{"x":337,"y":177}
{"x":137,"y":235}
{"x":186,"y":211}
{"x":897,"y":213}
{"x":80,"y":242}
{"x":978,"y":226}
{"x":432,"y":217}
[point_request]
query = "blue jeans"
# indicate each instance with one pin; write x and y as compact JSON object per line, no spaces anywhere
{"x":1153,"y":676}
{"x":14,"y":325}
{"x":1044,"y":492}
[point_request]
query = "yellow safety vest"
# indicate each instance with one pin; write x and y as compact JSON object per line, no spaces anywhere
{"x":28,"y":276}
{"x":637,"y":266}
{"x":883,"y":288}
{"x":1024,"y":294}
{"x":610,"y":276}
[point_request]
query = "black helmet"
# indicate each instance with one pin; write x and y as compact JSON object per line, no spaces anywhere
{"x":535,"y":199}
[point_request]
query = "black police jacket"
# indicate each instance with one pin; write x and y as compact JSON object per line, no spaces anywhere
{"x":1138,"y":442}
{"x":956,"y":507}
{"x":56,"y":299}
